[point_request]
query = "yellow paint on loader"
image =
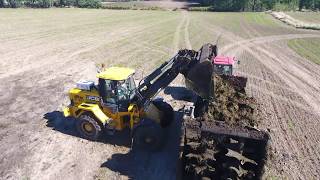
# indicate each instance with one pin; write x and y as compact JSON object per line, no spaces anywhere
{"x":96,"y":110}
{"x":116,"y":73}
{"x":66,"y":112}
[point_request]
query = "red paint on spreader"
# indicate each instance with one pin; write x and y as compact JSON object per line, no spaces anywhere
{"x":224,"y":60}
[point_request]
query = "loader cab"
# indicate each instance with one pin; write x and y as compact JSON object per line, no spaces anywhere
{"x":116,"y":88}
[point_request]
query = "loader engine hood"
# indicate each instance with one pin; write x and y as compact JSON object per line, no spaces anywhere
{"x":78,"y":96}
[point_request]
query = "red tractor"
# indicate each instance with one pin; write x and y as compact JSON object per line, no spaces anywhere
{"x":224,"y":65}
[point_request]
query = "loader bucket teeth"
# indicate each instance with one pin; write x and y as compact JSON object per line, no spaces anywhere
{"x":199,"y":80}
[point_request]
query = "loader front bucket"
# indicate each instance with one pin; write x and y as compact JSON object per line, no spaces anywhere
{"x":199,"y":77}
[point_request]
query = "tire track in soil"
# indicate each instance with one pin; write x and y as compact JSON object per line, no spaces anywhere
{"x":186,"y":31}
{"x":185,"y":22}
{"x":148,"y":45}
{"x":306,"y":88}
{"x":280,"y":97}
{"x":288,"y":118}
{"x":246,"y":44}
{"x":235,"y":47}
{"x":88,"y":46}
{"x":49,"y":87}
{"x":231,"y":37}
{"x":303,"y":129}
{"x":287,"y":112}
{"x":264,"y":99}
{"x":176,"y":38}
{"x":127,"y":50}
{"x":274,"y":113}
{"x":42,"y":37}
{"x":293,"y":137}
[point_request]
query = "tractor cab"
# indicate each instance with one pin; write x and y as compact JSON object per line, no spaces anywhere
{"x":116,"y":87}
{"x":223,"y":65}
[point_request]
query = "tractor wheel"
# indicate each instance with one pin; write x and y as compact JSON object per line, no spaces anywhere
{"x":168,"y":112}
{"x":148,"y":138}
{"x":88,"y":127}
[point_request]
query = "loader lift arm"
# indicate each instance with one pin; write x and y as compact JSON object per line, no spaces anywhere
{"x":194,"y":65}
{"x":161,"y":77}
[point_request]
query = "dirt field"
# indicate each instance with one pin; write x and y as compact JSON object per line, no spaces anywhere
{"x":44,"y":52}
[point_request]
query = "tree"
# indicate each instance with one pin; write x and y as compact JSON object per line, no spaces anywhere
{"x":301,"y":4}
{"x":12,"y":3}
{"x":268,"y":4}
{"x":254,"y":5}
{"x":89,"y":3}
{"x":317,"y":4}
{"x":1,"y":3}
{"x":229,"y":5}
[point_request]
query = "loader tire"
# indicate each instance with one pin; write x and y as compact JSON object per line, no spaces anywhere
{"x":88,"y":127}
{"x":167,"y":111}
{"x":148,"y":138}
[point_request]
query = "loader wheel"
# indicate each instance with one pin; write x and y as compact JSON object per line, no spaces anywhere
{"x":148,"y":138}
{"x":168,"y":112}
{"x":88,"y":127}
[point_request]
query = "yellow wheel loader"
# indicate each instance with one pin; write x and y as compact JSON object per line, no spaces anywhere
{"x":116,"y":103}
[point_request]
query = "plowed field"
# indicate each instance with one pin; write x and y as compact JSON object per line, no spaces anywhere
{"x":44,"y":52}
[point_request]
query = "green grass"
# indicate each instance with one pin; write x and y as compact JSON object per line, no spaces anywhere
{"x":308,"y":17}
{"x":291,"y":125}
{"x":308,"y":48}
{"x":259,"y":19}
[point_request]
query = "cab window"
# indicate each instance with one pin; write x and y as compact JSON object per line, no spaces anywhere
{"x":107,"y":90}
{"x":227,"y":70}
{"x":222,"y":69}
{"x":126,"y":89}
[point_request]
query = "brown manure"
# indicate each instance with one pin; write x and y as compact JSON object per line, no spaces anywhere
{"x":223,"y":143}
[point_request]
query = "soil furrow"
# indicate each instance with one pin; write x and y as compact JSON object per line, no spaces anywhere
{"x":186,"y":31}
{"x":177,"y":34}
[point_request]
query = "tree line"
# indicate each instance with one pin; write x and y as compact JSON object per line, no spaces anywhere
{"x":50,"y":3}
{"x":260,"y":5}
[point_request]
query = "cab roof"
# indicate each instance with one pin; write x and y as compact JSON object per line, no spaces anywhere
{"x":224,"y":60}
{"x":116,"y":73}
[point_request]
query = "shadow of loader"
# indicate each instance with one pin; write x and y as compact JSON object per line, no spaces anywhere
{"x":58,"y":122}
{"x":179,"y":93}
{"x":159,"y":165}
